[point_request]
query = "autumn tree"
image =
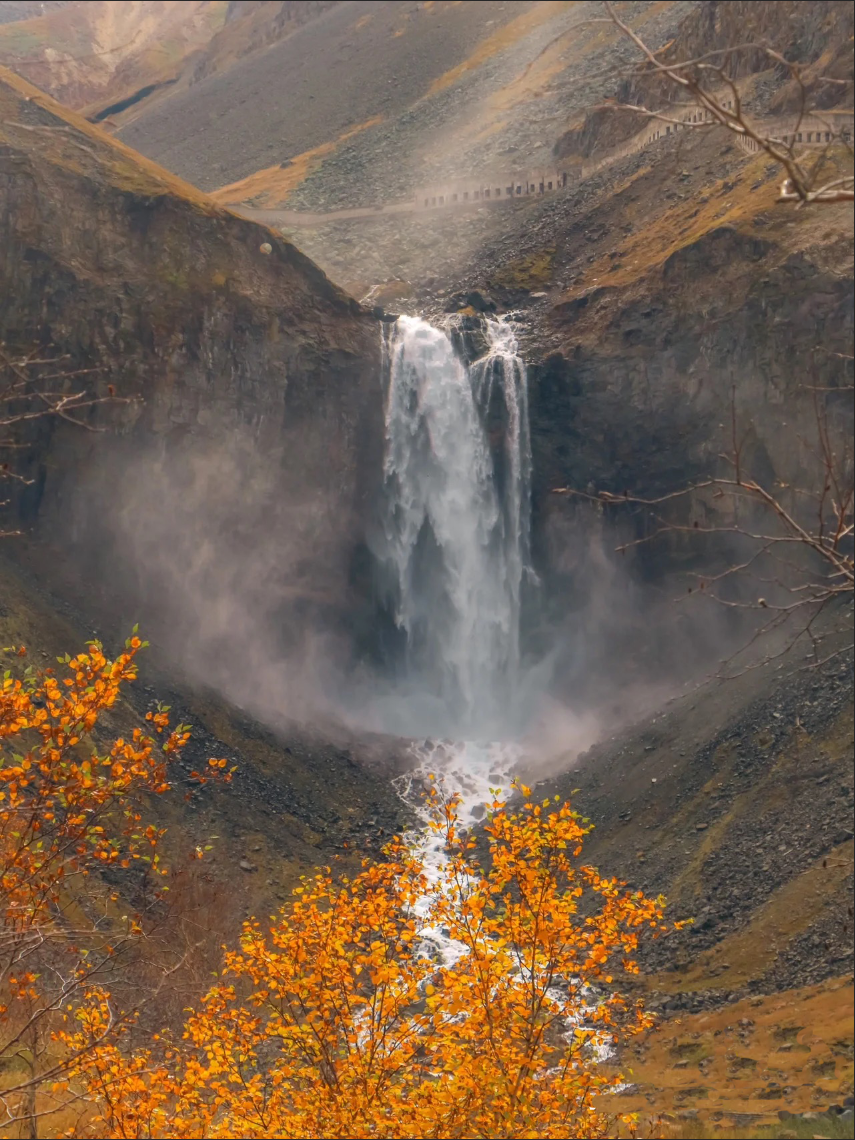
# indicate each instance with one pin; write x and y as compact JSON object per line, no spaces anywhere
{"x":476,"y":998}
{"x":473,"y":1000}
{"x":80,"y":866}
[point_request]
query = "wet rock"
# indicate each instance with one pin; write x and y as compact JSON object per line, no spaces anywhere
{"x":480,"y":302}
{"x":473,"y":299}
{"x":469,"y":337}
{"x":380,"y":314}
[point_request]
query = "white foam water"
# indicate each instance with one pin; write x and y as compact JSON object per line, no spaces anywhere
{"x":457,"y":477}
{"x":457,"y":481}
{"x":476,"y":774}
{"x":456,"y":537}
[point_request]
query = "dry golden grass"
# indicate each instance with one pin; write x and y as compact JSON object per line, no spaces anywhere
{"x":76,"y":144}
{"x":270,"y":187}
{"x":791,"y":1050}
{"x":500,"y":40}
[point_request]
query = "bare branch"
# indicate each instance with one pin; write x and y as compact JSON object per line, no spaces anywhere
{"x":36,"y":387}
{"x":720,"y":103}
{"x":800,"y":556}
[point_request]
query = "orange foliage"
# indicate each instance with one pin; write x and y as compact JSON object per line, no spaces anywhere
{"x":71,"y":817}
{"x":341,"y":1020}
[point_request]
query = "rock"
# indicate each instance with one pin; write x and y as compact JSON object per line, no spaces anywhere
{"x":473,"y":299}
{"x":480,"y":302}
{"x":245,"y":865}
{"x":380,"y":314}
{"x":469,"y":337}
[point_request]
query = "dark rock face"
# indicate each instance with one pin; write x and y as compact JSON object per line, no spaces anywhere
{"x":469,"y":337}
{"x":223,"y":507}
{"x":225,"y":503}
{"x":638,"y":398}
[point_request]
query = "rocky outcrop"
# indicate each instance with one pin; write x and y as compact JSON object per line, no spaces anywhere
{"x":209,"y":323}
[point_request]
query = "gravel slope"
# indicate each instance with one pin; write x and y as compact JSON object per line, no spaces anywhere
{"x":353,"y":62}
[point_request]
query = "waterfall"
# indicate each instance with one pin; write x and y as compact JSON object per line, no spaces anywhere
{"x":456,"y":538}
{"x":456,"y":521}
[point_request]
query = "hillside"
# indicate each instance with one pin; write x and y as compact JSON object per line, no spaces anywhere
{"x":297,"y":503}
{"x":383,"y":57}
{"x":103,"y":51}
{"x":420,"y":91}
{"x":170,"y":299}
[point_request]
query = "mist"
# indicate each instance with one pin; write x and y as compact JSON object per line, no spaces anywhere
{"x":249,"y":576}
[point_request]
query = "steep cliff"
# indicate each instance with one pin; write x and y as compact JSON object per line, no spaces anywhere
{"x":122,"y":268}
{"x":238,"y":471}
{"x":706,"y":300}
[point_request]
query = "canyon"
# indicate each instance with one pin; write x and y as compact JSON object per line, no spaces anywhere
{"x":358,"y":462}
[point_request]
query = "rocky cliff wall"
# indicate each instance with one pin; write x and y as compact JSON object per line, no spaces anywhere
{"x":255,"y":414}
{"x":221,"y":507}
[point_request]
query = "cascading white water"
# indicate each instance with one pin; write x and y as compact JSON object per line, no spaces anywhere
{"x":457,"y":475}
{"x":456,"y":537}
